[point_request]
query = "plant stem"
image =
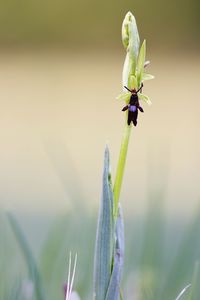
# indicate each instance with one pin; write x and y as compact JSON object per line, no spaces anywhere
{"x":121,"y":166}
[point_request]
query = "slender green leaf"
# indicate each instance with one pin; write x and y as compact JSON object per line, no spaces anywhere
{"x":104,"y":236}
{"x":114,"y":286}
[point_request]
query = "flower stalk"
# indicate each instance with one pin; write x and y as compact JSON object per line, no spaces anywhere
{"x":121,"y":165}
{"x":131,"y":42}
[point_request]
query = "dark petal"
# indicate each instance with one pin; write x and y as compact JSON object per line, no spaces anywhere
{"x":125,"y":108}
{"x":134,"y":119}
{"x":141,"y":109}
{"x":135,"y":122}
{"x":130,"y":117}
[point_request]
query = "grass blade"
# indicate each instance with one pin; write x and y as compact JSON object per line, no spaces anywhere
{"x":32,"y":267}
{"x":183,"y":292}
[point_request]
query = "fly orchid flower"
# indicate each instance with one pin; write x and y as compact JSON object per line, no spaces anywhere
{"x":134,"y":73}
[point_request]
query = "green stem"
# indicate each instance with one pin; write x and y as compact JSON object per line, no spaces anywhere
{"x":121,"y":166}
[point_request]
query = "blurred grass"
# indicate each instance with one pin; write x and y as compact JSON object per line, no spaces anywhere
{"x":33,"y":272}
{"x":146,"y":273}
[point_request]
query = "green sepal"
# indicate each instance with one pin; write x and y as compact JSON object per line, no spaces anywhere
{"x":144,"y":98}
{"x":124,"y":96}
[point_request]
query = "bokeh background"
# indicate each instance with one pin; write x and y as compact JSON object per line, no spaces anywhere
{"x":60,"y":73}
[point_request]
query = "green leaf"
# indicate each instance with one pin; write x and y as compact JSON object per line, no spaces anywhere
{"x":146,"y":76}
{"x":144,"y":98}
{"x":32,"y":266}
{"x":114,"y":286}
{"x":104,"y":236}
{"x":141,"y":62}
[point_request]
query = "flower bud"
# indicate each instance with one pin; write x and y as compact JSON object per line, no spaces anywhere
{"x":131,"y":42}
{"x":130,"y":37}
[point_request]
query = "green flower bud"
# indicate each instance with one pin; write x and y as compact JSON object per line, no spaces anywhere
{"x":131,"y":42}
{"x":130,"y":38}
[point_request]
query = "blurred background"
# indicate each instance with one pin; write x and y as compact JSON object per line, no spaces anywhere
{"x":60,"y":72}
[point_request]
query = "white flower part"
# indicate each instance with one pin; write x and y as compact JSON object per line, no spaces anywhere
{"x":70,"y":279}
{"x":74,"y":296}
{"x":27,"y":289}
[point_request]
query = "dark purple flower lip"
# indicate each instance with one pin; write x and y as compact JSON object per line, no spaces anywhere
{"x":132,"y":108}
